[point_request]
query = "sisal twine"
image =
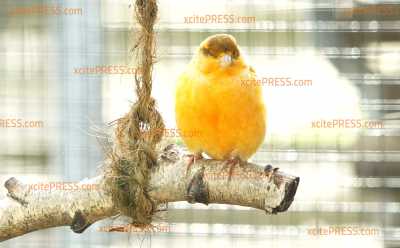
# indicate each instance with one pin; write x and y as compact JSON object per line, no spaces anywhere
{"x":134,"y":155}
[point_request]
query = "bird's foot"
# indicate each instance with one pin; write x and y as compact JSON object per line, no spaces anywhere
{"x":231,"y":163}
{"x":192,"y":159}
{"x":269,"y":170}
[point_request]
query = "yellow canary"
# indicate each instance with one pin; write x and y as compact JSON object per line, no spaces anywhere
{"x":228,"y":115}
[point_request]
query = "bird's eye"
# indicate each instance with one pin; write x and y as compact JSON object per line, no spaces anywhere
{"x":206,"y":51}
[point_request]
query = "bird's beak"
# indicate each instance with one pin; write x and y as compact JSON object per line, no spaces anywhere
{"x":225,"y":60}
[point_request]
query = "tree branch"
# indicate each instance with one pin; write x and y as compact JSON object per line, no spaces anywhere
{"x":26,"y":210}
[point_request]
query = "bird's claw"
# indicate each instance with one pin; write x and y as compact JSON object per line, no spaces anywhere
{"x":192,"y":159}
{"x":269,"y":170}
{"x":231,"y":163}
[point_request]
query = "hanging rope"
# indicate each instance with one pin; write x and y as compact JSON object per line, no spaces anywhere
{"x":134,"y":153}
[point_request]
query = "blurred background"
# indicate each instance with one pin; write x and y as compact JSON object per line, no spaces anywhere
{"x":349,"y":50}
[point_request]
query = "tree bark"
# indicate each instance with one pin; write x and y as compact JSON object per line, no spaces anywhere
{"x":207,"y":181}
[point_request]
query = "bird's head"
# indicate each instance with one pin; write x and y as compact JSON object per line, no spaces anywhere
{"x":220,"y":51}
